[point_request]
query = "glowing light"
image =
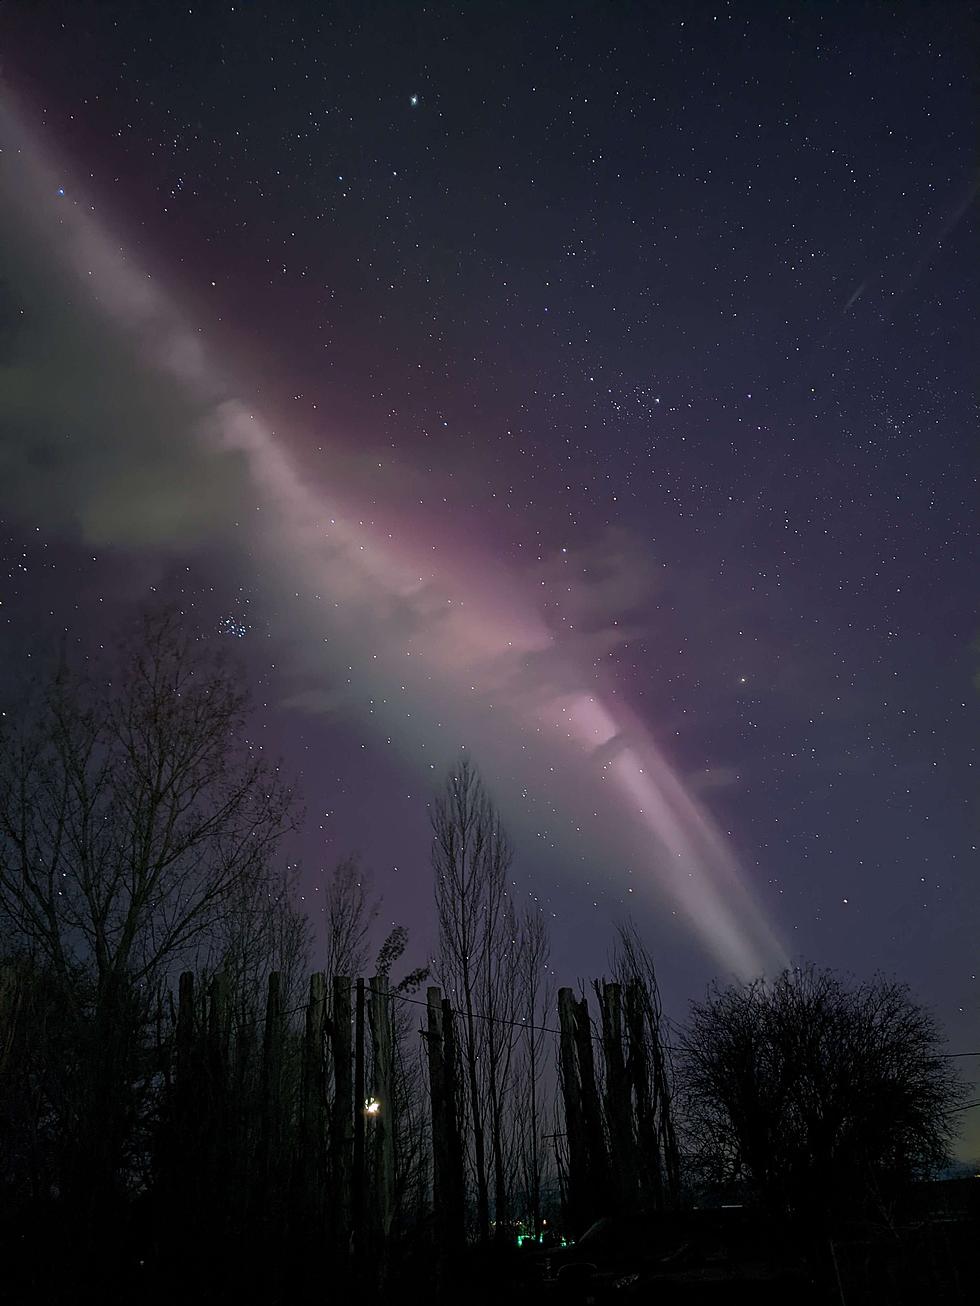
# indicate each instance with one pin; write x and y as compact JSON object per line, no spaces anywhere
{"x":487,"y":668}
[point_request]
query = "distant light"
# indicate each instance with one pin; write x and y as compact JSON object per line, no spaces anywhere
{"x":372,"y":1107}
{"x":413,"y":100}
{"x":61,"y":190}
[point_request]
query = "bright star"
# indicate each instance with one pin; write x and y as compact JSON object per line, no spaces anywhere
{"x":413,"y":100}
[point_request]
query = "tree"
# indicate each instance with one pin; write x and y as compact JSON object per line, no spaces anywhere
{"x":405,"y":1111}
{"x":263,"y":930}
{"x":476,"y":965}
{"x":648,"y":1071}
{"x":134,"y":817}
{"x":350,"y":909}
{"x":535,"y":993}
{"x":823,"y":1095}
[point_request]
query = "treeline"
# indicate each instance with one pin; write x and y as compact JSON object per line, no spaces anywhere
{"x":188,"y":1102}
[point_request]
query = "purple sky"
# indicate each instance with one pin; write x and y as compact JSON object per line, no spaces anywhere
{"x":582,"y":386}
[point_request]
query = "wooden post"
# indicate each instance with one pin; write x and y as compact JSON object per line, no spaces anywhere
{"x":447,"y":1171}
{"x":313,"y":1094}
{"x":271,"y":1085}
{"x":618,"y":1114}
{"x":219,"y":1031}
{"x":357,"y":1184}
{"x":185,"y":1031}
{"x":645,"y":1107}
{"x":382,"y":1120}
{"x":456,"y":1187}
{"x":591,"y":1112}
{"x":588,"y":1171}
{"x":11,"y":994}
{"x":578,"y":1154}
{"x":184,"y":1124}
{"x":342,"y":1120}
{"x":441,"y":1181}
{"x":217,"y":1145}
{"x":313,"y":1046}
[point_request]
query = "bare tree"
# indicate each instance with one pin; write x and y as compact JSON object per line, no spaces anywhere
{"x":349,"y":908}
{"x":822,"y":1095}
{"x":475,"y":964}
{"x":132,"y":815}
{"x":406,"y":1110}
{"x":535,"y":996}
{"x":131,"y":812}
{"x":264,"y":930}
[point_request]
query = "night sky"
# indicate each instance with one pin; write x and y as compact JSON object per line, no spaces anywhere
{"x":587,"y":387}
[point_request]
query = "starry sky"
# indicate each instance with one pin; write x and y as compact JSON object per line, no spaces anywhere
{"x":586,"y":387}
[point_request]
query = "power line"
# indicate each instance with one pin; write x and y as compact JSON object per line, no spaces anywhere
{"x":522,"y":1024}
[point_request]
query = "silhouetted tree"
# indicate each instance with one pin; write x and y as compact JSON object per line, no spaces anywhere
{"x":263,"y":930}
{"x":824,"y":1096}
{"x":476,"y":964}
{"x":406,"y":1110}
{"x":648,"y":1071}
{"x":349,"y":909}
{"x":535,"y":997}
{"x":133,"y":817}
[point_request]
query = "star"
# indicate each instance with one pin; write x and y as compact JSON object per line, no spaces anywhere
{"x":413,"y":100}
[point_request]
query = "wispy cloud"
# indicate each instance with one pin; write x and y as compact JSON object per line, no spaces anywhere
{"x":122,"y":428}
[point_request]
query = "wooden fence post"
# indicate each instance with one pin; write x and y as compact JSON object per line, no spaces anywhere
{"x":381,"y":1120}
{"x":441,"y":1181}
{"x":591,"y":1110}
{"x":588,"y":1172}
{"x":271,"y":1085}
{"x":313,"y":1096}
{"x":456,"y":1192}
{"x":217,"y":1144}
{"x":619,"y":1116}
{"x":447,"y":1161}
{"x":342,"y":1117}
{"x":578,"y":1157}
{"x":357,"y":1178}
{"x":185,"y":1032}
{"x":219,"y":1031}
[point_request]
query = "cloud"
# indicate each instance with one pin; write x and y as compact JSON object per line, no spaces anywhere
{"x":121,"y":427}
{"x":93,"y":439}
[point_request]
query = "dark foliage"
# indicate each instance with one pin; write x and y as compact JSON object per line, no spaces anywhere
{"x":827,"y":1098}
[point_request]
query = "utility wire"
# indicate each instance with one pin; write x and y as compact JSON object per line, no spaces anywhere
{"x":523,"y":1024}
